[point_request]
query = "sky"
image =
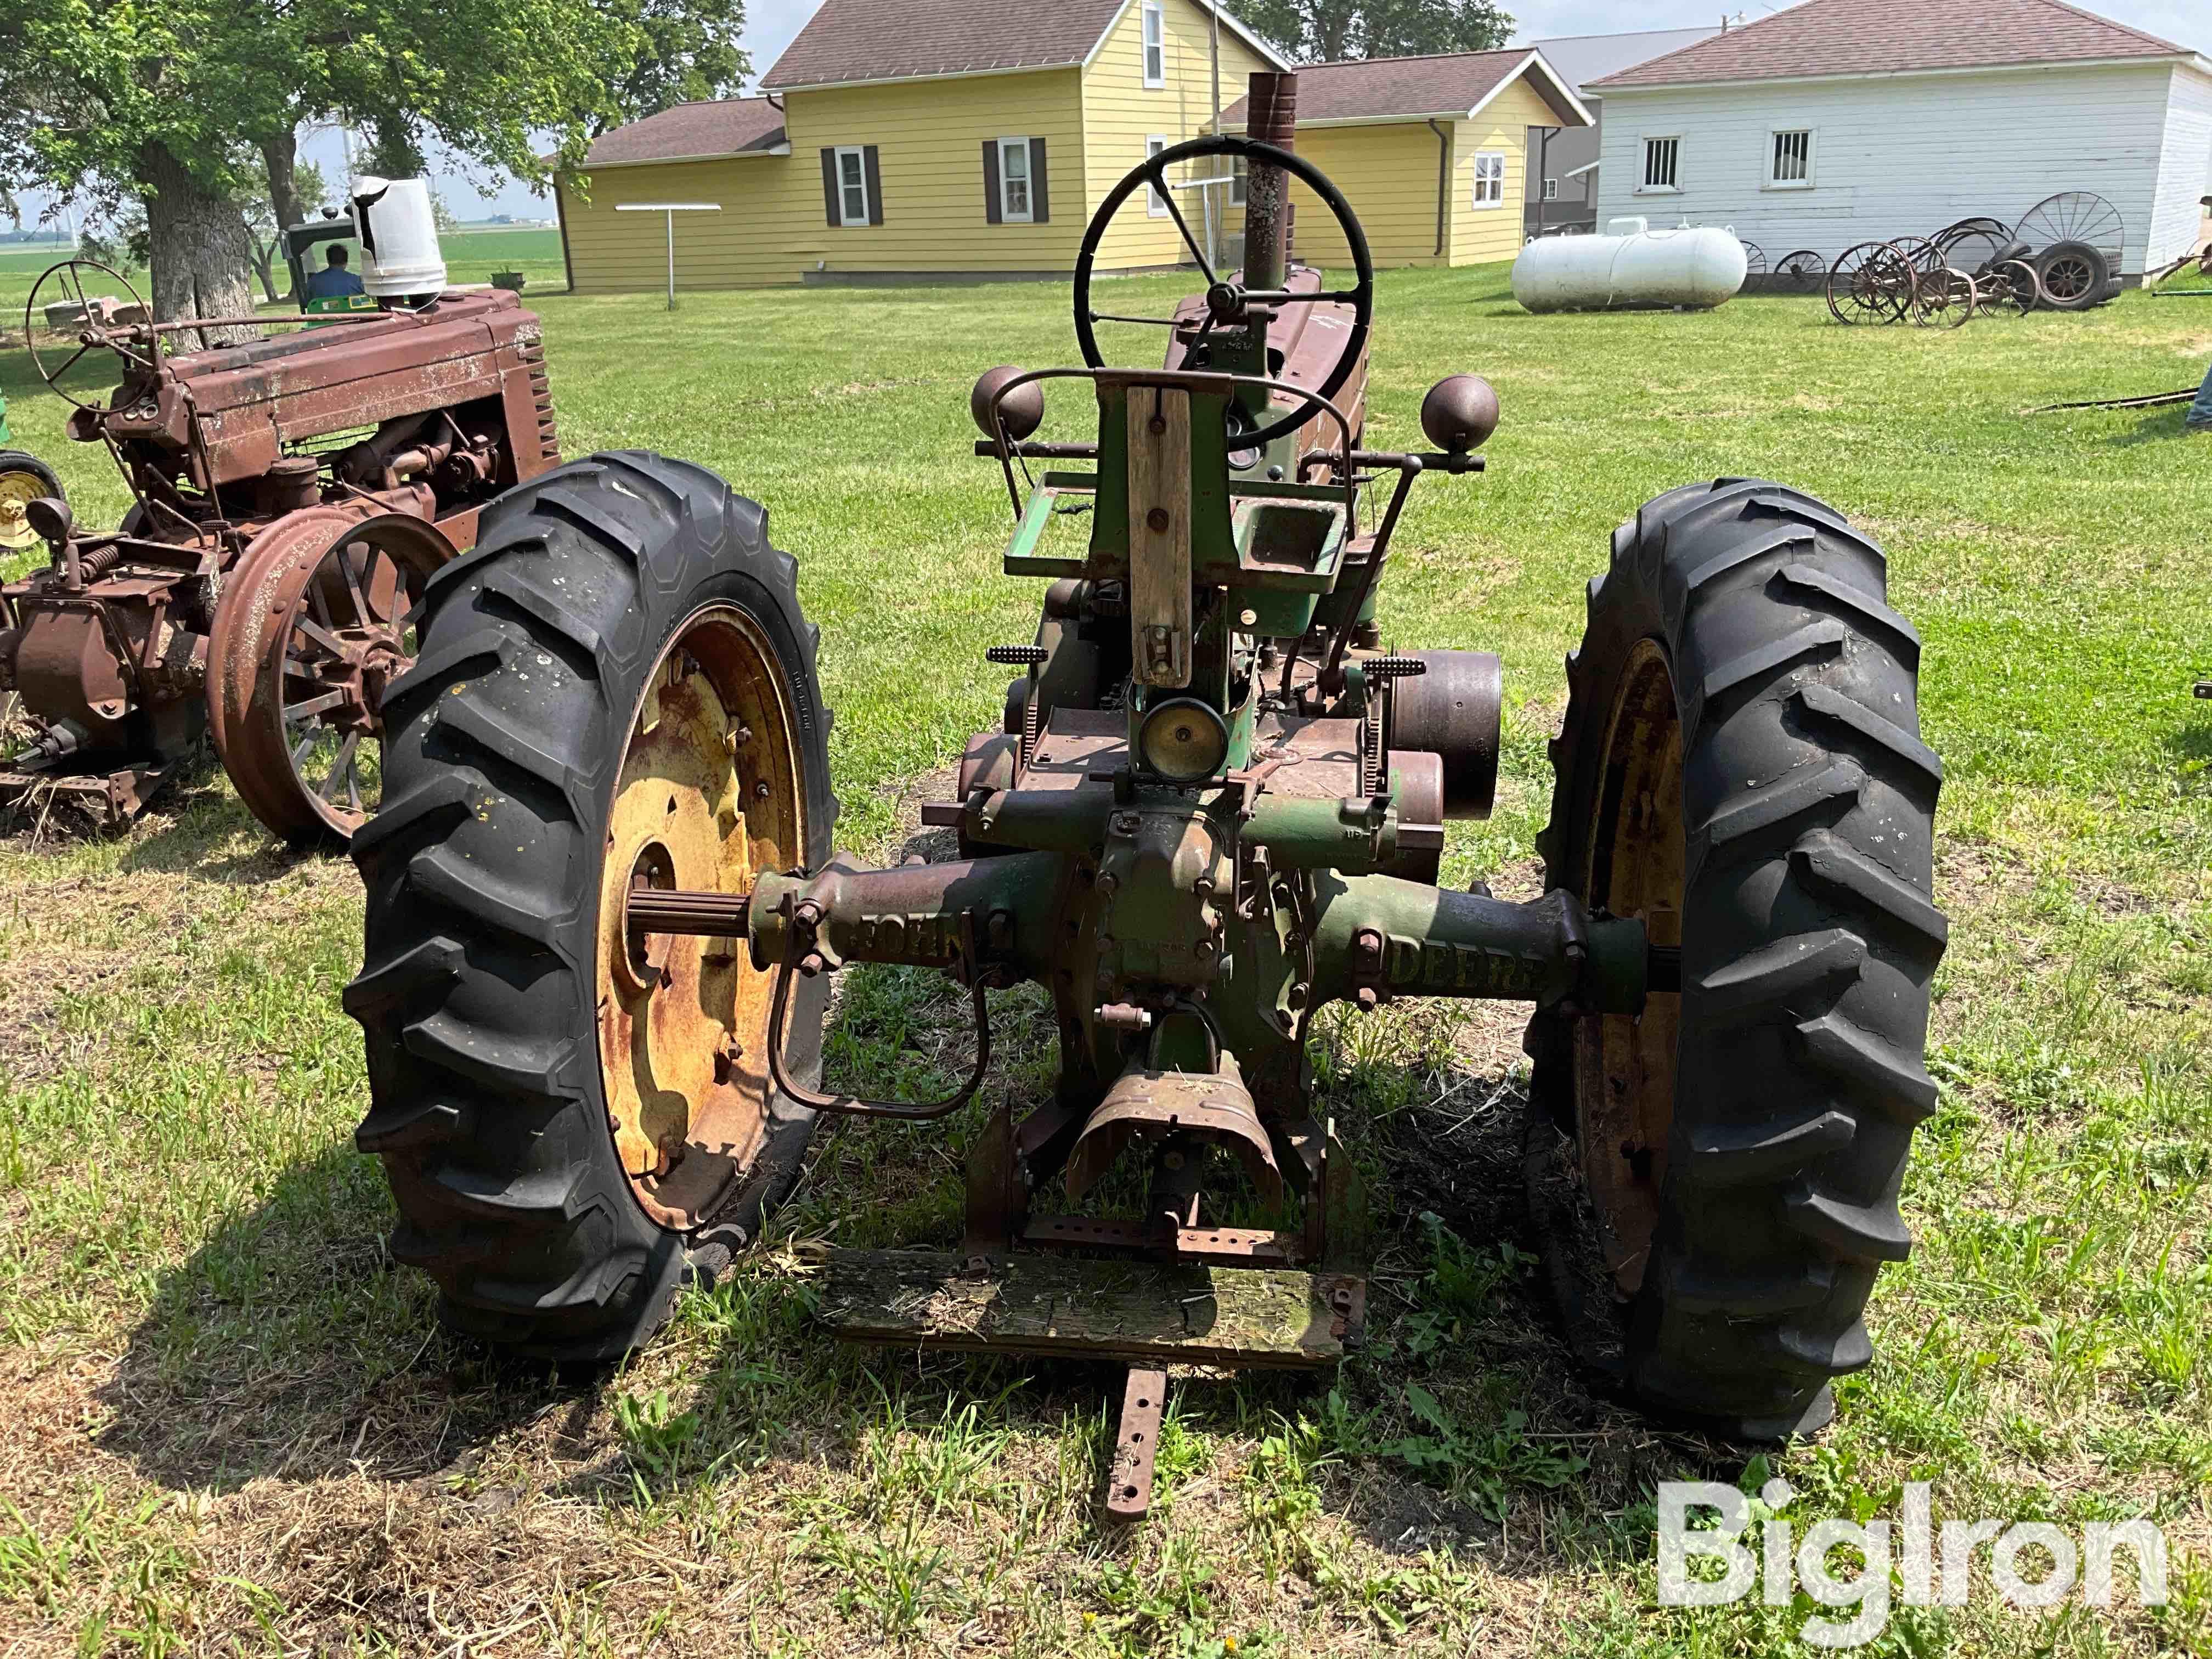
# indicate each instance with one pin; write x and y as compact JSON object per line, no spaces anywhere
{"x":770,"y":25}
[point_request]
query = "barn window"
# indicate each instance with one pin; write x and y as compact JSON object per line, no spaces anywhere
{"x":1489,"y":177}
{"x":1789,"y":159}
{"x":1661,"y":163}
{"x":1156,"y":46}
{"x":1551,"y":190}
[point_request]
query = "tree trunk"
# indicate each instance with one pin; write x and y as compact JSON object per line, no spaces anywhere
{"x":280,"y":154}
{"x":201,"y":251}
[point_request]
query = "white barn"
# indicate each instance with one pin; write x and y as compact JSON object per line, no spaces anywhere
{"x":1842,"y":121}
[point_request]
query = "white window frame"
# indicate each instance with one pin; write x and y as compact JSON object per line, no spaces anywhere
{"x":1155,"y":205}
{"x":859,"y":155}
{"x":1007,"y":213}
{"x":1153,"y":37}
{"x":1240,"y":180}
{"x":1644,"y":143}
{"x":1774,"y":136}
{"x":1489,"y":178}
{"x":1551,"y":192}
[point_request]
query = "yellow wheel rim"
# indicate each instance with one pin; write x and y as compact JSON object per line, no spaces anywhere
{"x":709,"y":793}
{"x":18,"y":489}
{"x":1624,"y":1065}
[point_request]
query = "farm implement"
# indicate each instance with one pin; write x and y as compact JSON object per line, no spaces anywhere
{"x":292,"y":496}
{"x":603,"y":909}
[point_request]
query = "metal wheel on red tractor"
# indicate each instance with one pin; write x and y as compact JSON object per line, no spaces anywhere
{"x":603,"y":909}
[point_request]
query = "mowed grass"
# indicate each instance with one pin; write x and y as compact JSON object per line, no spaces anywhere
{"x":235,"y":1425}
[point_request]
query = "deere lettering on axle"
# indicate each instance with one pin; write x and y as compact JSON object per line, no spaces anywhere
{"x":604,"y":906}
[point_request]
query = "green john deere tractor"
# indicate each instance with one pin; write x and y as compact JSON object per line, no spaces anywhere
{"x":604,"y":912}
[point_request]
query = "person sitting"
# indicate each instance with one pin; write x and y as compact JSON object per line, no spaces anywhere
{"x":334,"y":280}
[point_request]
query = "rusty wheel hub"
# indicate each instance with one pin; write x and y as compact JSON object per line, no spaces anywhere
{"x":313,"y":629}
{"x":1625,"y":1064}
{"x":709,"y":795}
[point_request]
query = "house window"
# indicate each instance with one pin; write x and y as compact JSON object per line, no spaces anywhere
{"x":1017,"y":204}
{"x":1789,"y":159}
{"x":1155,"y":204}
{"x":1238,"y":179}
{"x":1489,"y":177}
{"x":1661,"y":163}
{"x":1156,"y":46}
{"x":1551,"y":190}
{"x":852,"y":185}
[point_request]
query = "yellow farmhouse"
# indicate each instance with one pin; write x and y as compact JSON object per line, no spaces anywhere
{"x":901,"y":139}
{"x":1430,"y":152}
{"x":927,"y":140}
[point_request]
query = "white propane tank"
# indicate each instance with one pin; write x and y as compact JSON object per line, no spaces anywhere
{"x":398,"y":239}
{"x":1630,"y":267}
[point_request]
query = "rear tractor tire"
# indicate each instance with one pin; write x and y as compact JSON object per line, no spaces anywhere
{"x":615,"y":687}
{"x":1740,"y":765}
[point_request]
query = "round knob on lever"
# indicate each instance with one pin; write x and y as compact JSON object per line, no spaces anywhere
{"x":1023,"y":410}
{"x":1460,"y":413}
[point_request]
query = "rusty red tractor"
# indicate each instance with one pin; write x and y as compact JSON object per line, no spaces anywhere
{"x":604,"y":911}
{"x":291,"y":498}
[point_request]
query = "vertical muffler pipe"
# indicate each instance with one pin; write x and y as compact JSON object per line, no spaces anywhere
{"x":1271,"y":103}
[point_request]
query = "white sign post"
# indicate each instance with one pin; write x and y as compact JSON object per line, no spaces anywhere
{"x":672,"y":208}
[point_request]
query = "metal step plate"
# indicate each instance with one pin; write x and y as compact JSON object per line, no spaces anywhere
{"x":1187,"y":1313}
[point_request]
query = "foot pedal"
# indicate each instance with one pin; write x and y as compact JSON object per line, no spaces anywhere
{"x":1130,"y":1482}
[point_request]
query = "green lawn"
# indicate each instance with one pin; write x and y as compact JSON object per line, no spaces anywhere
{"x":237,"y":1428}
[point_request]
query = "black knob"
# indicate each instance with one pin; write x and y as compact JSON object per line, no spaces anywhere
{"x":1016,"y":656}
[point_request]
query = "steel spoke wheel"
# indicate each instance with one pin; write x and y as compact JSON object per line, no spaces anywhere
{"x":1803,"y":268}
{"x":1943,"y":299}
{"x":315,"y":625}
{"x":1870,"y":284}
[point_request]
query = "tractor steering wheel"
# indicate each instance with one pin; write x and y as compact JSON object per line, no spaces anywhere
{"x":1225,"y":300}
{"x":92,"y":330}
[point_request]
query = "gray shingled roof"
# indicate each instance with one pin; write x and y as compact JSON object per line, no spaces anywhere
{"x":722,"y":126}
{"x":1387,"y":88}
{"x":1892,"y":37}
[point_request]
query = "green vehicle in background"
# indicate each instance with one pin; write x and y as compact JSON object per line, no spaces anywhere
{"x":23,"y":479}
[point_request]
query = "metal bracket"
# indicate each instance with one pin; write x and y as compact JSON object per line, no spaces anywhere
{"x":1129,"y":1480}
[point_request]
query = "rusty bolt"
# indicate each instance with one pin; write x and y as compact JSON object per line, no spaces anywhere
{"x":1296,"y":996}
{"x":760,"y":790}
{"x":812,"y":963}
{"x":727,"y":1053}
{"x":1368,"y":944}
{"x":1124,"y":823}
{"x":1366,"y":998}
{"x":806,"y":913}
{"x":1157,"y":521}
{"x":1108,"y":883}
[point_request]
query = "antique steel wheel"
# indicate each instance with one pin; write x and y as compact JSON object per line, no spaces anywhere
{"x":23,"y":479}
{"x":2013,"y":284}
{"x":1869,"y":283}
{"x":1943,"y":299}
{"x":314,"y":624}
{"x":2074,"y":215}
{"x":1754,"y":259}
{"x":1920,"y":253}
{"x":617,"y":690}
{"x":1739,"y":766}
{"x":1804,"y":268}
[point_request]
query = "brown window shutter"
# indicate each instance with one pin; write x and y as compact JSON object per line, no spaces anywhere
{"x":1039,"y":190}
{"x":875,"y":184}
{"x":829,"y":185}
{"x":991,"y":181}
